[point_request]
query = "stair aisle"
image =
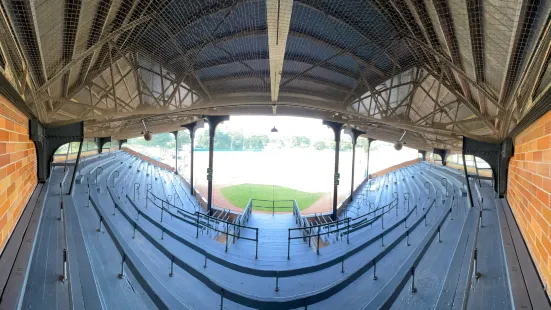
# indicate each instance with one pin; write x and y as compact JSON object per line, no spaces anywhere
{"x":492,"y":288}
{"x":105,"y":260}
{"x":435,"y":263}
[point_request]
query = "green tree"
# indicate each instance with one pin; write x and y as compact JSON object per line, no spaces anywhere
{"x":346,"y":145}
{"x":222,"y":140}
{"x":237,"y":141}
{"x":202,"y":140}
{"x":300,"y":141}
{"x":183,"y":137}
{"x":320,"y":145}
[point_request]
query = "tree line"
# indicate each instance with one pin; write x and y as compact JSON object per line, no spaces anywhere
{"x":236,"y":141}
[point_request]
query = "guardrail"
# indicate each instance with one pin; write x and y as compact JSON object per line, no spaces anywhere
{"x":271,"y":204}
{"x":306,"y":232}
{"x":232,"y":230}
{"x":233,"y":233}
{"x":340,"y":228}
{"x":235,"y":296}
{"x":242,"y":219}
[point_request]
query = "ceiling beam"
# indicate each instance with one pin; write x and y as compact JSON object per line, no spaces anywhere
{"x":71,"y":14}
{"x":338,"y":19}
{"x":308,"y":78}
{"x":445,"y":18}
{"x":278,"y":16}
{"x":99,"y":24}
{"x":518,"y":49}
{"x":92,"y":49}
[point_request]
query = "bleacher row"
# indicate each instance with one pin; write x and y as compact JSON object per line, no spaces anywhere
{"x":138,"y":240}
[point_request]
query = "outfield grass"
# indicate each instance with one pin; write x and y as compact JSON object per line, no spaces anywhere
{"x":239,"y":196}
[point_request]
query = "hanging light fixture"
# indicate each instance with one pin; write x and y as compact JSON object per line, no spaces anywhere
{"x":274,"y":108}
{"x":146,"y":133}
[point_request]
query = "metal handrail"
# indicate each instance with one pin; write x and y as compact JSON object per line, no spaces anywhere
{"x":174,"y":259}
{"x":242,"y":219}
{"x":230,"y":233}
{"x":319,"y":233}
{"x":273,"y":203}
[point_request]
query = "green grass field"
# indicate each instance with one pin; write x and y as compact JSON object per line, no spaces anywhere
{"x":239,"y":196}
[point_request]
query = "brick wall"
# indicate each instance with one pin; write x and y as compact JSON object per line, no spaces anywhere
{"x":529,"y":192}
{"x":18,"y":175}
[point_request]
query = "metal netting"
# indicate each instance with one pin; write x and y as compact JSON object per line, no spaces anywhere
{"x":430,"y":67}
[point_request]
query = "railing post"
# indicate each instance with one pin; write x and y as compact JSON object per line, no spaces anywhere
{"x":289,"y":244}
{"x":413,"y":288}
{"x":60,"y":204}
{"x":100,"y":222}
{"x":342,"y":264}
{"x":222,"y":299}
{"x":337,"y":223}
{"x":197,"y":236}
{"x":407,"y":237}
{"x":134,"y":233}
{"x":277,"y":281}
{"x":162,"y":209}
{"x":476,"y":272}
{"x":171,"y":267}
{"x":227,"y":235}
{"x":121,"y":274}
{"x":439,"y":234}
{"x":63,"y":276}
{"x":256,"y":252}
{"x":348,"y":232}
{"x":318,"y":243}
{"x":374,"y":269}
{"x":480,"y":219}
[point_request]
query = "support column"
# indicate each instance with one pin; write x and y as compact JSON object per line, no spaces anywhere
{"x":467,"y":181}
{"x":48,"y":140}
{"x":121,"y":143}
{"x":101,"y":142}
{"x":355,"y":134}
{"x":423,"y":153}
{"x":213,"y":122}
{"x":443,"y":154}
{"x":337,"y":127}
{"x":497,"y":155}
{"x":77,"y":161}
{"x":175,"y":133}
{"x":369,"y":140}
{"x":192,"y":127}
